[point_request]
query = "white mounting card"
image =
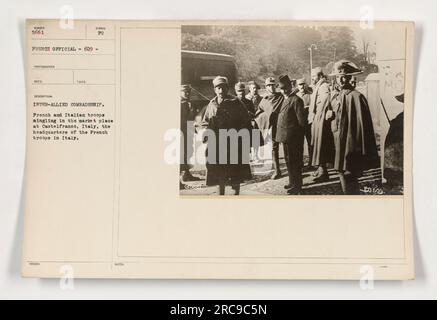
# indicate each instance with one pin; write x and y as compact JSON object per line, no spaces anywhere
{"x":106,"y":196}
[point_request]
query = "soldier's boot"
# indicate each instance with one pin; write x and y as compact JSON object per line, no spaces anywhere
{"x":295,"y":190}
{"x":322,"y":174}
{"x":277,"y":170}
{"x":349,"y":184}
{"x":187,"y":176}
{"x":236,"y":188}
{"x":310,"y":157}
{"x":221,"y":189}
{"x":354,"y":186}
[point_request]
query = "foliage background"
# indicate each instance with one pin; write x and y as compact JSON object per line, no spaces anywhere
{"x":262,"y":51}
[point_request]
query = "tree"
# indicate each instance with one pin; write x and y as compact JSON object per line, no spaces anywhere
{"x":262,"y":51}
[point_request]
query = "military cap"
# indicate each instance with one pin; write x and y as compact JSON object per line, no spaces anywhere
{"x":219,"y":80}
{"x":301,"y":81}
{"x":316,"y":71}
{"x":185,"y":87}
{"x":345,"y":68}
{"x":253,"y":83}
{"x":270,"y":80}
{"x":284,"y":81}
{"x":239,"y":86}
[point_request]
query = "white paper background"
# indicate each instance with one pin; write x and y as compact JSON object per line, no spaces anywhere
{"x":12,"y":148}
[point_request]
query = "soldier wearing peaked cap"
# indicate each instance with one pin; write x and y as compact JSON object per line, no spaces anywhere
{"x":270,"y":81}
{"x":256,"y":138}
{"x":253,"y":94}
{"x":355,"y":145}
{"x":219,"y":80}
{"x":267,"y":118}
{"x":226,"y":113}
{"x":304,"y":92}
{"x":292,"y":120}
{"x":240,"y":90}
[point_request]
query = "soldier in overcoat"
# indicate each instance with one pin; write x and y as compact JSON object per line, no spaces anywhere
{"x":224,"y":117}
{"x":322,"y":140}
{"x":267,"y":118}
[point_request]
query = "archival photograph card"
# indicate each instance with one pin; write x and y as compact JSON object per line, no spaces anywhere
{"x":219,"y":149}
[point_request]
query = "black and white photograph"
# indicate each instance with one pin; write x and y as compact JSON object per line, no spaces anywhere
{"x":292,"y":110}
{"x":298,"y":166}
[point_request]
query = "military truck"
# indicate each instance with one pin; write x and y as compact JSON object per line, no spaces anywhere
{"x":200,"y":68}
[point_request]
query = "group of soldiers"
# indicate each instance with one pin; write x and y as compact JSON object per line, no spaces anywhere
{"x":334,"y":119}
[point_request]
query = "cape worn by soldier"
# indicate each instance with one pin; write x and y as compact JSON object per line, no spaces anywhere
{"x":356,"y":146}
{"x":229,"y":114}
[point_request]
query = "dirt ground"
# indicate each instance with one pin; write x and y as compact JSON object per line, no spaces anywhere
{"x":261,"y":184}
